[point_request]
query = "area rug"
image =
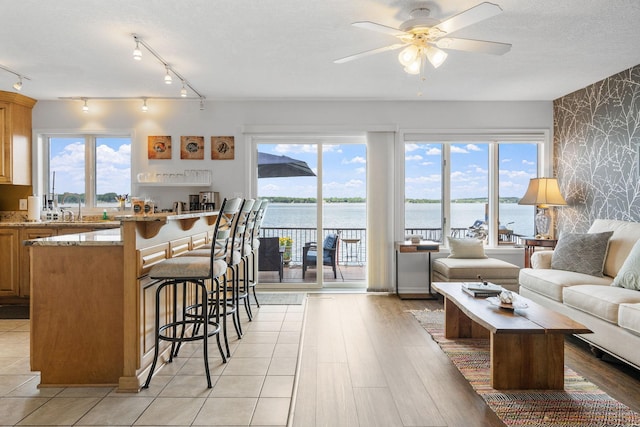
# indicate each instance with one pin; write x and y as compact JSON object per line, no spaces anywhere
{"x":14,"y":311}
{"x":582,"y":403}
{"x":280,"y":298}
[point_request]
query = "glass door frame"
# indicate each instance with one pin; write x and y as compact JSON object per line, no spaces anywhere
{"x":319,"y":140}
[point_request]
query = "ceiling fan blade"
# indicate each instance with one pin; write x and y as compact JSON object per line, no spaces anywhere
{"x":379,"y":28}
{"x":467,"y":45}
{"x":468,"y":17}
{"x":369,"y":52}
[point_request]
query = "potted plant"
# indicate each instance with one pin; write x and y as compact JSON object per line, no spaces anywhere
{"x":286,"y":243}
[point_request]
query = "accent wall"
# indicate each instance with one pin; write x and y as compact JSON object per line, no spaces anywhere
{"x":596,"y":150}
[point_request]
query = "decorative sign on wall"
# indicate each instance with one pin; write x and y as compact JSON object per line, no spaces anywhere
{"x":222,"y":147}
{"x":192,"y":147}
{"x":159,"y":147}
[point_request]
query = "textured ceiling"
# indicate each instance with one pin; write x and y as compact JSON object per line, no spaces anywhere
{"x":284,"y":49}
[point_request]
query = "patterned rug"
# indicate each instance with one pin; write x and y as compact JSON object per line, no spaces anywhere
{"x":581,"y":403}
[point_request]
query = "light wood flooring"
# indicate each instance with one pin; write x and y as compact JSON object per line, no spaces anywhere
{"x":363,"y":361}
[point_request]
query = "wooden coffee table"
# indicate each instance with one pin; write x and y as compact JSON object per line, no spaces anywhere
{"x":527,"y":345}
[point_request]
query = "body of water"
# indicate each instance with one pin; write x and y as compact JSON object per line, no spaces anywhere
{"x":518,"y":218}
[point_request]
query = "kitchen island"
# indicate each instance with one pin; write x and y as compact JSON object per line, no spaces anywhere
{"x":93,"y":304}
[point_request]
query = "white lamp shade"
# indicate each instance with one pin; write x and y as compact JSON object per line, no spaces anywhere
{"x":543,"y":192}
{"x":408,"y":55}
{"x":436,"y":56}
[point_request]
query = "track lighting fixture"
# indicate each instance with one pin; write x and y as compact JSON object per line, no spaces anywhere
{"x":144,"y":105}
{"x":169,"y":71}
{"x":144,"y":99}
{"x":85,"y":107}
{"x":17,"y":85}
{"x":137,"y":53}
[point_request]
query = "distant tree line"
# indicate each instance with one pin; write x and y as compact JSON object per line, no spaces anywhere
{"x":67,"y":197}
{"x":362,"y":200}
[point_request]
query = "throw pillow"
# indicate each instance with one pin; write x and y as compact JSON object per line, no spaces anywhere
{"x":466,"y":248}
{"x":581,"y":253}
{"x":629,"y":274}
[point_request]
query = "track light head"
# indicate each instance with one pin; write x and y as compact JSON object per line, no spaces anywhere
{"x":18,"y":85}
{"x":137,"y":53}
{"x":167,"y":77}
{"x":144,"y":106}
{"x":183,"y":91}
{"x":85,"y":107}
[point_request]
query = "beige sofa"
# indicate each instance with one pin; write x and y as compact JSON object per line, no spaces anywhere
{"x":612,"y":313}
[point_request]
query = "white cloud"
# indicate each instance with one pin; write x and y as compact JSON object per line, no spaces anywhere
{"x":414,"y":157}
{"x":473,"y":147}
{"x":423,"y":179}
{"x":506,"y":160}
{"x":426,"y":163}
{"x":528,"y":162}
{"x":411,"y":147}
{"x":433,"y":151}
{"x":459,"y":150}
{"x":357,"y":159}
{"x":360,"y":171}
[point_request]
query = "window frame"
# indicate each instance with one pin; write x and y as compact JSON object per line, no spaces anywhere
{"x":449,"y":137}
{"x":90,"y":140}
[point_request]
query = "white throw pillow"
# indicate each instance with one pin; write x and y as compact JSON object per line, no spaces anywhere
{"x":466,"y":248}
{"x":629,"y":274}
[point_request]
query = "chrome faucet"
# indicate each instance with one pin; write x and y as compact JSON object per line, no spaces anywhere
{"x":65,"y":214}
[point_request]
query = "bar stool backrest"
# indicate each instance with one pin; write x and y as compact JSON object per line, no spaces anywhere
{"x":224,"y":224}
{"x":239,"y":228}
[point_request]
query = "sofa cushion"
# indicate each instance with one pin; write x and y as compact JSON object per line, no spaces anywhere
{"x":550,"y":283}
{"x":469,"y":269}
{"x":582,"y":253}
{"x":629,"y":317}
{"x":625,"y":235}
{"x":629,"y":274}
{"x":600,"y":301}
{"x":466,"y":248}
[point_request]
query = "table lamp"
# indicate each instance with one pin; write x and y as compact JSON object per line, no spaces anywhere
{"x":543,"y":193}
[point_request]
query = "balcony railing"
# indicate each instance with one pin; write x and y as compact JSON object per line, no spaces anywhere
{"x":356,"y":252}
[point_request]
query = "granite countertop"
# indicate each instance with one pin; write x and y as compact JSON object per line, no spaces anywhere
{"x":58,"y":224}
{"x":93,"y":238}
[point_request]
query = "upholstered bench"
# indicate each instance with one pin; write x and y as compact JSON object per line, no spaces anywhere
{"x":468,"y":261}
{"x":467,"y":270}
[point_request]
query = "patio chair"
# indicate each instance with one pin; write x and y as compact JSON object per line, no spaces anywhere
{"x":329,"y":254}
{"x":269,"y":255}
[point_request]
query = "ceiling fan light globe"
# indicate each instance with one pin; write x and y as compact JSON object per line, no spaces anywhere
{"x":436,"y":56}
{"x":414,"y":67}
{"x":408,"y":55}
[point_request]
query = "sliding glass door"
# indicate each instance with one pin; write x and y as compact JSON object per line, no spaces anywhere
{"x":317,"y":212}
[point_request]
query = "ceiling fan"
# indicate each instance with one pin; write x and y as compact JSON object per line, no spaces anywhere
{"x":423,"y":37}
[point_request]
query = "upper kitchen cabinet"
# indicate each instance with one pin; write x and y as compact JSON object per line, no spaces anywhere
{"x":15,"y":138}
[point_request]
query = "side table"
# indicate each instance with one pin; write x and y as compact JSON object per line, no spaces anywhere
{"x":530,"y":245}
{"x":424,"y":246}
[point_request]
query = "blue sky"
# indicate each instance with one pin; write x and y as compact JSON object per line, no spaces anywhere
{"x":345,"y":168}
{"x":113,"y":158}
{"x":469,"y":170}
{"x":344,"y":171}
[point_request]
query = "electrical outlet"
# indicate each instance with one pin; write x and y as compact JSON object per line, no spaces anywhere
{"x":23,"y":204}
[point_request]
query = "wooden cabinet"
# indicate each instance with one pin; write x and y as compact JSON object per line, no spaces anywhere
{"x":15,"y":138}
{"x":9,"y":266}
{"x":25,"y":269}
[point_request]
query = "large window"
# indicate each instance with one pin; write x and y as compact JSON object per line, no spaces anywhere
{"x":458,"y":188}
{"x":90,"y":170}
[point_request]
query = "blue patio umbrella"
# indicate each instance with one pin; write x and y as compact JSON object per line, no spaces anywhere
{"x":274,"y":166}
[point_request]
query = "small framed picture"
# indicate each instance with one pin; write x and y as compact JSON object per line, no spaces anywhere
{"x":192,"y":147}
{"x":159,"y":147}
{"x":222,"y":147}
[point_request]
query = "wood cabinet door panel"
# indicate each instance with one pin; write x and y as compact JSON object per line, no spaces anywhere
{"x":9,"y":273}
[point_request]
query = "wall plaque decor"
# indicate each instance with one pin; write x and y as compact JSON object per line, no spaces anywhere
{"x":222,"y":147}
{"x":192,"y":147}
{"x":159,"y":147}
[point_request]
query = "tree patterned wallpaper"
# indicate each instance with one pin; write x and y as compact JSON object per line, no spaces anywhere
{"x":596,"y":148}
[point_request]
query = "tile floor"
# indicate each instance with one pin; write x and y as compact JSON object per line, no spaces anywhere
{"x":254,"y":388}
